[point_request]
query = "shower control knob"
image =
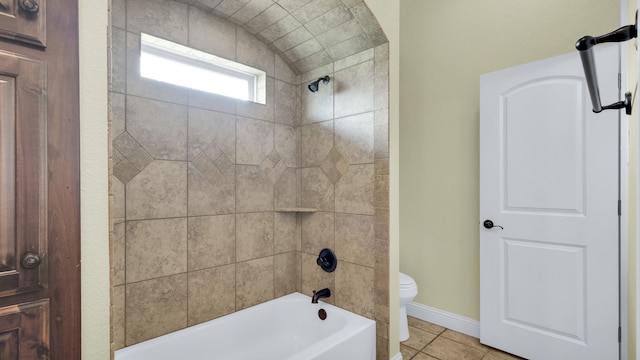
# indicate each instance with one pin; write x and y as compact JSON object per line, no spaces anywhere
{"x":490,"y":225}
{"x":30,"y":260}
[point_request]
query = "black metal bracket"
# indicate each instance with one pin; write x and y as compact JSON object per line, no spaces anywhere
{"x":585,"y":47}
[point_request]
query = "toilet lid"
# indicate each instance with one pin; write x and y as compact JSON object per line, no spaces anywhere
{"x":406,"y":280}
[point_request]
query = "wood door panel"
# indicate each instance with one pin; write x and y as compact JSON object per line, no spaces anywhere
{"x":39,"y":185}
{"x":24,"y":331}
{"x":19,"y":25}
{"x":23,"y":181}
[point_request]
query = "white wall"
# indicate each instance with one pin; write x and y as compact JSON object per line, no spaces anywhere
{"x":94,"y":198}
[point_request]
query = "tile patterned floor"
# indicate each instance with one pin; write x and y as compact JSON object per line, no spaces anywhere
{"x":432,"y":342}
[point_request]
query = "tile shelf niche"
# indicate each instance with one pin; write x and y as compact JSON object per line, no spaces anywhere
{"x":296,"y":209}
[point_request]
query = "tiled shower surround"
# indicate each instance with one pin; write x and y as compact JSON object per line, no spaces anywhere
{"x":199,"y":181}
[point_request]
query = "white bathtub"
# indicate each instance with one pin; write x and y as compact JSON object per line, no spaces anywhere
{"x":287,"y":328}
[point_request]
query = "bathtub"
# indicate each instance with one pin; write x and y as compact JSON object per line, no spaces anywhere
{"x":287,"y":328}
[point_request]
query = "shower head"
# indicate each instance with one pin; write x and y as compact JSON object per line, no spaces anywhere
{"x":313,"y":87}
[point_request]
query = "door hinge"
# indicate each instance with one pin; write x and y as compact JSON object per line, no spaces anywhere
{"x":619,"y":334}
{"x":620,"y":81}
{"x":619,"y":207}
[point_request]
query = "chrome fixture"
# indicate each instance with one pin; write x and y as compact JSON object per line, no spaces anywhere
{"x":313,"y":87}
{"x":324,"y":293}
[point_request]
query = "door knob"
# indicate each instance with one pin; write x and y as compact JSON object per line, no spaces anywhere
{"x":30,"y":260}
{"x":489,"y":224}
{"x":29,"y":6}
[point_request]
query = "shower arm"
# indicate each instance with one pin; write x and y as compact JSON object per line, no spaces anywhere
{"x":585,"y":48}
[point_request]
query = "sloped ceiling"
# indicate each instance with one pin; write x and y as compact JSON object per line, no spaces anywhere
{"x":306,"y":33}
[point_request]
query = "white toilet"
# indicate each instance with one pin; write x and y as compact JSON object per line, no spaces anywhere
{"x":408,"y":291}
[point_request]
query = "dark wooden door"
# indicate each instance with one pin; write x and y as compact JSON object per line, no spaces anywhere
{"x":39,"y":180}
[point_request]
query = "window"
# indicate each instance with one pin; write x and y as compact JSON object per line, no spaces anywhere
{"x":177,"y":64}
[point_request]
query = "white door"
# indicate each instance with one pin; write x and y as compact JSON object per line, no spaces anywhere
{"x":549,"y":177}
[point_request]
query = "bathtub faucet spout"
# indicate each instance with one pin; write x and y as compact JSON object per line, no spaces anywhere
{"x":324,"y":293}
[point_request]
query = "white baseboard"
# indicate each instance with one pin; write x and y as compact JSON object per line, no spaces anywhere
{"x":397,"y":357}
{"x":449,"y":320}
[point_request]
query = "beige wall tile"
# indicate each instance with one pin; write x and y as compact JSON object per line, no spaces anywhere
{"x":250,"y":10}
{"x":292,"y":39}
{"x":155,"y":307}
{"x":254,"y":235}
{"x":286,"y":232}
{"x":314,"y":9}
{"x":316,"y":142}
{"x":317,"y":191}
{"x":354,"y":89}
{"x":117,"y":190}
{"x":164,"y":18}
{"x":284,"y":73}
{"x":211,"y":198}
{"x":355,"y":239}
{"x":267,"y":18}
{"x":318,"y":232}
{"x":369,"y":23}
{"x":158,"y":191}
{"x":254,"y":140}
{"x":119,"y":13}
{"x":354,"y":288}
{"x":313,"y":61}
{"x":155,"y":248}
{"x":354,"y":190}
{"x":118,"y":317}
{"x":354,"y":138}
{"x":287,"y":139}
{"x":255,"y":53}
{"x":286,"y":273}
{"x":286,"y":189}
{"x":211,"y":293}
{"x":211,"y":241}
{"x":287,"y":98}
{"x":159,"y":127}
{"x":118,"y":253}
{"x":350,"y":46}
{"x":340,"y":33}
{"x":118,"y":60}
{"x":303,"y":50}
{"x":280,"y":28}
{"x":229,"y":7}
{"x":330,"y":19}
{"x":293,"y":5}
{"x":354,"y":59}
{"x":211,"y":34}
{"x":254,"y":282}
{"x":211,"y":129}
{"x":254,"y":190}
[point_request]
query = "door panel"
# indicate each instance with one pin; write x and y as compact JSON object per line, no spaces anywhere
{"x":24,"y":331}
{"x":24,"y":21}
{"x":40,"y":188}
{"x":23,"y":180}
{"x":533,"y":166}
{"x":549,"y":177}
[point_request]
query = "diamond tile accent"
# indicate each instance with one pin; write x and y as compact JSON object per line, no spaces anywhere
{"x":129,"y":157}
{"x":212,"y":163}
{"x":334,"y":165}
{"x":273,"y":166}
